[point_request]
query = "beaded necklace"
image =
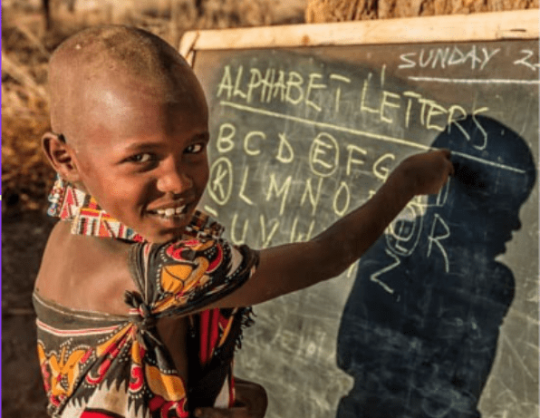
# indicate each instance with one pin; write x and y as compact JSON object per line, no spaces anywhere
{"x":87,"y":218}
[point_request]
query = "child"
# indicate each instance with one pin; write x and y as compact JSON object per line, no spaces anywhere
{"x":140,"y":302}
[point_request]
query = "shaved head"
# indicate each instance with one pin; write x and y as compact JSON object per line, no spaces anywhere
{"x":135,"y":123}
{"x":87,"y":66}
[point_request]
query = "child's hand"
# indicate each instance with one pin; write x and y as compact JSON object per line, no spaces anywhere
{"x":234,"y":412}
{"x":251,"y":402}
{"x":426,"y":173}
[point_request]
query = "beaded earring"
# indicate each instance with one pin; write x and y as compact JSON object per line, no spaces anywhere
{"x":56,"y":196}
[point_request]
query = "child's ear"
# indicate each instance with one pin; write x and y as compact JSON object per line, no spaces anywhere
{"x":61,"y":156}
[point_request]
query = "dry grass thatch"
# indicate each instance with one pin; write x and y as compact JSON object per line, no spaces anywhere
{"x":319,"y":11}
{"x":26,"y":47}
{"x":25,"y":174}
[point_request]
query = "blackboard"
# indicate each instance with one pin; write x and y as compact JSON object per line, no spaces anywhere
{"x":440,"y":317}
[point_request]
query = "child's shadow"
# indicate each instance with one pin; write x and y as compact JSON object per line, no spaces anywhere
{"x":419,"y":330}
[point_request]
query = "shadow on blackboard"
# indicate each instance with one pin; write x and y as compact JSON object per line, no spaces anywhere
{"x":419,"y":330}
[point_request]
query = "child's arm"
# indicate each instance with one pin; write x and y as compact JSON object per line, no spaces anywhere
{"x":291,"y":267}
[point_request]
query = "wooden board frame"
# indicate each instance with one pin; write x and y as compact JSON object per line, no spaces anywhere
{"x":482,"y":27}
{"x":519,"y":24}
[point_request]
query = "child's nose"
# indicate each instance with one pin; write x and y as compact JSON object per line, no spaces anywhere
{"x":174,"y":180}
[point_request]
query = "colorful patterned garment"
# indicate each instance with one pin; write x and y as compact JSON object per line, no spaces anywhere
{"x":97,"y":365}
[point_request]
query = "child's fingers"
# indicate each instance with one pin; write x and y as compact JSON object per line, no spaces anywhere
{"x":235,"y":412}
{"x":445,"y":151}
{"x":253,"y":396}
{"x":447,"y":154}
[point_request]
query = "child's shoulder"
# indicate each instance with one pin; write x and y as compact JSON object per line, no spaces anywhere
{"x":92,"y":273}
{"x":87,"y":273}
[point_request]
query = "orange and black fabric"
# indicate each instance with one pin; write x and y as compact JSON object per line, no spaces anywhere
{"x":97,"y":365}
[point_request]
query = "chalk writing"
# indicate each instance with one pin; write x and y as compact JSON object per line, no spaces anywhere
{"x":350,"y":158}
{"x":283,"y":191}
{"x":251,"y":135}
{"x":403,"y":234}
{"x":221,"y":180}
{"x":343,"y":194}
{"x":319,"y":90}
{"x":375,"y":276}
{"x":436,"y":236}
{"x":234,"y":238}
{"x":475,"y":80}
{"x":211,"y":210}
{"x":441,"y":58}
{"x":224,"y":141}
{"x":267,"y":237}
{"x":288,"y":168}
{"x":313,"y":197}
{"x":527,"y":61}
{"x":298,"y":236}
{"x":324,"y":155}
{"x":338,"y":88}
{"x":285,"y":153}
{"x":243,"y":187}
{"x":382,"y":171}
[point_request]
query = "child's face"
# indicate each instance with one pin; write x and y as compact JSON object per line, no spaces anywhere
{"x":144,"y":159}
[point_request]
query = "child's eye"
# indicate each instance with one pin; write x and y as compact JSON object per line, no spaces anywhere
{"x":195,"y":148}
{"x":140,"y":158}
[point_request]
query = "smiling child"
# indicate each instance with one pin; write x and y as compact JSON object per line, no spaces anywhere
{"x":140,"y":301}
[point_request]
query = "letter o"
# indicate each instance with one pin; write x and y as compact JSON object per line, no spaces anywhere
{"x":342,"y":187}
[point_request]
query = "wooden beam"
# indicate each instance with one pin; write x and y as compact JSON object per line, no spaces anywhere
{"x":518,"y":24}
{"x":187,"y":45}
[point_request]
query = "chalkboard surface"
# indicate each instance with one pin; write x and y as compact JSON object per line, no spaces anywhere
{"x":440,"y":317}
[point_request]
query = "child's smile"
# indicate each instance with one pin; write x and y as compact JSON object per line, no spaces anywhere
{"x":141,"y":152}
